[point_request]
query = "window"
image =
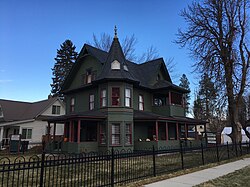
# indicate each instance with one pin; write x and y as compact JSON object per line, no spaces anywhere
{"x":115,"y":134}
{"x":102,"y":135}
{"x":56,"y":109}
{"x":176,"y":98}
{"x":26,"y":133}
{"x":89,"y":76}
{"x":91,"y":101}
{"x":115,"y":96}
{"x":103,"y":98}
{"x":159,"y":100}
{"x":115,"y":65}
{"x":72,"y":104}
{"x":128,"y":131}
{"x":141,"y":102}
{"x":128,"y":97}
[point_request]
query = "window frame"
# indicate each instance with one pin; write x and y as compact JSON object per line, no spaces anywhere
{"x":116,"y":97}
{"x":91,"y":102}
{"x":128,"y":134}
{"x":56,"y":109}
{"x":128,"y":97}
{"x":103,"y":98}
{"x":102,"y":134}
{"x":27,"y":136}
{"x":72,"y":104}
{"x":115,"y":134}
{"x":140,"y":103}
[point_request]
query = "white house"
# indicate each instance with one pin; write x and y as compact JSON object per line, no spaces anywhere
{"x":28,"y":119}
{"x":227,"y":130}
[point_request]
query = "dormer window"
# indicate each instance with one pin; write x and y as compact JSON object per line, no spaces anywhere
{"x":115,"y":65}
{"x":158,"y":77}
{"x":89,"y":76}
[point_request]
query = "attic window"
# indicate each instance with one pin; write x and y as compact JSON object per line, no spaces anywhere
{"x":115,"y":65}
{"x":158,"y":77}
{"x":125,"y":68}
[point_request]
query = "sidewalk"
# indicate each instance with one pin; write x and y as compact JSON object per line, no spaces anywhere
{"x":198,"y":177}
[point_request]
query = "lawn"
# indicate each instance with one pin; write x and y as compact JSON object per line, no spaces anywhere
{"x":238,"y":178}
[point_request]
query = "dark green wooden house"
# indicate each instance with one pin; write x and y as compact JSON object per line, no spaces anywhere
{"x":112,"y":102}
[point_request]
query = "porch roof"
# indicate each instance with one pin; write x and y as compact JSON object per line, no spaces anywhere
{"x":90,"y":115}
{"x":149,"y":116}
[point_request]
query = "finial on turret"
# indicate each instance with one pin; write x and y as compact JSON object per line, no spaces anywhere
{"x":115,"y":32}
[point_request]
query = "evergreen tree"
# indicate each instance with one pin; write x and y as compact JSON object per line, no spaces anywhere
{"x":198,"y":108}
{"x":184,"y":83}
{"x":66,"y":57}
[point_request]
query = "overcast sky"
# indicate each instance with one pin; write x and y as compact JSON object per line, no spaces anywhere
{"x":32,"y":30}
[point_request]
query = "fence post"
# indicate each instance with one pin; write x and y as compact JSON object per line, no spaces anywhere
{"x":154,"y":165}
{"x":112,"y":167}
{"x":217,"y":153}
{"x":182,"y":160}
{"x":202,"y":154}
{"x":227,"y":151}
{"x":42,"y":164}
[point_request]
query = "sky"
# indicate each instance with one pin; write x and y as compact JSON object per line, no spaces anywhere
{"x":31,"y":31}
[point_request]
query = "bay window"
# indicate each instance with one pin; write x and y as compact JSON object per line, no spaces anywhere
{"x":141,"y":102}
{"x":115,"y":96}
{"x":103,"y":98}
{"x":115,"y":134}
{"x":128,"y":131}
{"x":128,"y":97}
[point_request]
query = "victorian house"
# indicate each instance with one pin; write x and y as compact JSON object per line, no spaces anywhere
{"x":113,"y":102}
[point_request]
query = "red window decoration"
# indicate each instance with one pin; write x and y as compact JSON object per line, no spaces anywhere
{"x":91,"y":101}
{"x":103,"y":98}
{"x":128,"y":131}
{"x":128,"y":97}
{"x":115,"y":131}
{"x":72,"y":104}
{"x":141,"y":102}
{"x":116,"y":96}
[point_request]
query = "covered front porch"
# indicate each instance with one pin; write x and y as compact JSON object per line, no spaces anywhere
{"x":167,"y":134}
{"x":81,"y":134}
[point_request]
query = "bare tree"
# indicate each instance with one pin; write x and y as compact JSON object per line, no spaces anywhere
{"x":128,"y":47}
{"x":217,"y":35}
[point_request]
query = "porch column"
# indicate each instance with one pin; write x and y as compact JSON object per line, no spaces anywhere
{"x":166,"y":131}
{"x":54,"y":131}
{"x":186,"y":131}
{"x":48,"y":132}
{"x":78,"y":131}
{"x":196,"y":133}
{"x":156,"y":130}
{"x":1,"y":134}
{"x":177,"y":131}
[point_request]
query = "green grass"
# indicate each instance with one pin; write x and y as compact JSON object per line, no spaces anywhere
{"x":238,"y":178}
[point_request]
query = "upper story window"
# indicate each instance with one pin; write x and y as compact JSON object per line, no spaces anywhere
{"x":176,"y":98}
{"x":159,"y":100}
{"x":103,"y":99}
{"x":89,"y":76}
{"x":128,"y":97}
{"x":56,"y":109}
{"x":91,"y":101}
{"x":115,"y":65}
{"x":115,"y":96}
{"x":141,"y":102}
{"x":72,"y":104}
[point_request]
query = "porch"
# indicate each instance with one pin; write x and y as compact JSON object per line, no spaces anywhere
{"x":167,"y":135}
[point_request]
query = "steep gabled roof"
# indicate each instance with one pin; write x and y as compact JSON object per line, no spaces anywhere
{"x":17,"y":110}
{"x":116,"y":54}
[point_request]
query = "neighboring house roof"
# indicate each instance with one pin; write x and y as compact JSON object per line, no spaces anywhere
{"x":20,"y":111}
{"x":143,"y":74}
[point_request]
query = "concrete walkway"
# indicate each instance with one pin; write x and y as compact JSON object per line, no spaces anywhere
{"x":198,"y":177}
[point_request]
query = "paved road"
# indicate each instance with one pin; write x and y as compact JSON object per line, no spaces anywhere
{"x":198,"y":177}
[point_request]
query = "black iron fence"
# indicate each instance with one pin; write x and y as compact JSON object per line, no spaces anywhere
{"x":110,"y":168}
